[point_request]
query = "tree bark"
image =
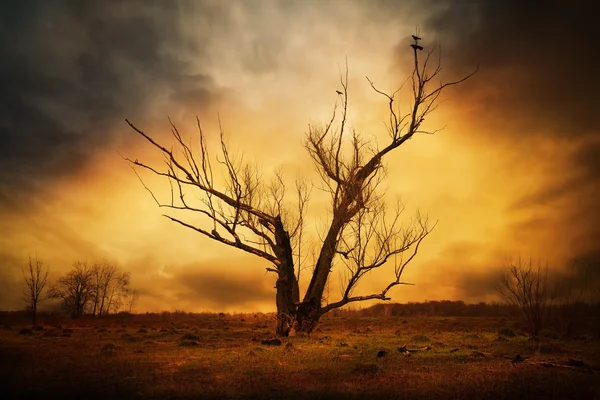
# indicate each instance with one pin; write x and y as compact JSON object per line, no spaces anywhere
{"x":34,"y":313}
{"x":287,"y":294}
{"x":309,"y":311}
{"x":308,"y":314}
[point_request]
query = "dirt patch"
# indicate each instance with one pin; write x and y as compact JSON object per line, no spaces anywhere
{"x":507,"y":332}
{"x":367,"y":369}
{"x":189,"y":336}
{"x":271,"y":342}
{"x":188,"y":343}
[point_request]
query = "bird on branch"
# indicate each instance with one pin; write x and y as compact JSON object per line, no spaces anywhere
{"x":345,"y":253}
{"x":216,"y":234}
{"x":338,"y":92}
{"x":415,"y":45}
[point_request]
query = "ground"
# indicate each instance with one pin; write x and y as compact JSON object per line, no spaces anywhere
{"x":183,"y":356}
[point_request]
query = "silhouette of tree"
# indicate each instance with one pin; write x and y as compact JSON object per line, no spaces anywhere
{"x":36,"y":279}
{"x":109,"y":286}
{"x":525,"y":286}
{"x":130,"y":298}
{"x":253,"y":215}
{"x":76,"y":289}
{"x":97,"y":289}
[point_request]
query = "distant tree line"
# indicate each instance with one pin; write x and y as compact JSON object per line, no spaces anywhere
{"x":448,"y":308}
{"x":564,"y":305}
{"x":442,"y":308}
{"x":97,"y":289}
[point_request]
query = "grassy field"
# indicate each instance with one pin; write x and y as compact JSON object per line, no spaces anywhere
{"x":181,"y":356}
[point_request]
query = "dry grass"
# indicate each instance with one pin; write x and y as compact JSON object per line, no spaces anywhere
{"x":211,"y":356}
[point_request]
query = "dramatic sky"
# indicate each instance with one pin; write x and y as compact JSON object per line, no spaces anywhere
{"x":515,"y":171}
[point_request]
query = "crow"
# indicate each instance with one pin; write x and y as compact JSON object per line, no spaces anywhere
{"x":338,"y":92}
{"x":345,"y":253}
{"x":416,"y":38}
{"x":416,"y":46}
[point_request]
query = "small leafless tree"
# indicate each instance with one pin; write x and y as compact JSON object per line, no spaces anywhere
{"x":116,"y":292}
{"x":36,"y":279}
{"x":76,"y":289}
{"x":130,"y":298}
{"x":254,"y":215}
{"x":109,"y":285}
{"x":525,"y":286}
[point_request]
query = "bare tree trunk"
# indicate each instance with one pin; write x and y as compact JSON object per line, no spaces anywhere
{"x":286,"y":298}
{"x":288,"y":294}
{"x":36,"y":278}
{"x":96,"y":289}
{"x":309,"y":311}
{"x":101,"y":309}
{"x":34,"y":311}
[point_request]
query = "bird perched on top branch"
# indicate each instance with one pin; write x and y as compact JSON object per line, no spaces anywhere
{"x":415,"y":45}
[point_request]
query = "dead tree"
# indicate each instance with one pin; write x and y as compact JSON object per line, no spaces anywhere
{"x":76,"y":289}
{"x":36,"y":279}
{"x":525,"y":287}
{"x":116,"y":294}
{"x":109,"y":285}
{"x":245,"y":212}
{"x":130,"y":298}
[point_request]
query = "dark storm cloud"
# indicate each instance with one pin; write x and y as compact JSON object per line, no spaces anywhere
{"x":72,"y":71}
{"x":538,"y":83}
{"x":577,"y":277}
{"x":541,"y":59}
